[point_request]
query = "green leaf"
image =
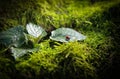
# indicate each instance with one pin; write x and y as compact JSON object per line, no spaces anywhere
{"x":35,"y":30}
{"x":13,"y":37}
{"x":19,"y":52}
{"x":66,"y":35}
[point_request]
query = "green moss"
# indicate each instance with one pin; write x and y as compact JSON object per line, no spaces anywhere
{"x":73,"y":59}
{"x":7,"y":23}
{"x":7,"y":68}
{"x":85,"y":59}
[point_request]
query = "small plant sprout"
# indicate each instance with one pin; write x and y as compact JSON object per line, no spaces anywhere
{"x":22,"y":42}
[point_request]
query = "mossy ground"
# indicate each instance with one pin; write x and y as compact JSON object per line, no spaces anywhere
{"x":94,"y":58}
